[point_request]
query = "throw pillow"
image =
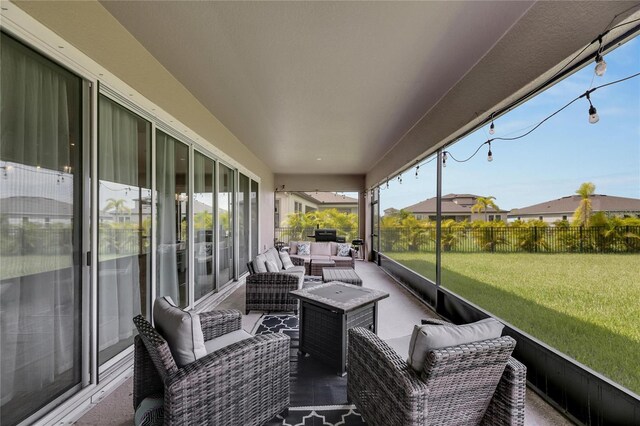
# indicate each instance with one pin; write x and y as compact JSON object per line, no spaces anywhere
{"x":271,"y":266}
{"x":304,"y":249}
{"x":429,"y":337}
{"x":259,"y":263}
{"x":344,"y":250}
{"x":286,"y":260}
{"x":181,"y":330}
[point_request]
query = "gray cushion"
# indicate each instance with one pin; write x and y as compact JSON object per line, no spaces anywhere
{"x":400,"y":344}
{"x":181,"y":330}
{"x":274,"y":256}
{"x":225,"y":340}
{"x":320,"y":249}
{"x":150,"y":412}
{"x":344,"y":250}
{"x":295,"y":270}
{"x":430,"y":336}
{"x":293,"y":247}
{"x":304,"y":249}
{"x":259,"y":263}
{"x":286,"y":260}
{"x":271,"y":266}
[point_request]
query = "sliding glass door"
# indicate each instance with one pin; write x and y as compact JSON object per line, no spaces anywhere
{"x":225,"y":224}
{"x":203,"y":224}
{"x":244,"y":222}
{"x":254,"y":219}
{"x":41,"y":189}
{"x":172,"y":186}
{"x":124,"y":202}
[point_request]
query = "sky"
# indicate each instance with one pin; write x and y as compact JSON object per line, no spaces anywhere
{"x":555,"y":159}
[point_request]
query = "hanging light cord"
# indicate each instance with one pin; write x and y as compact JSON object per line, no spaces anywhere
{"x":584,"y":95}
{"x":598,"y":39}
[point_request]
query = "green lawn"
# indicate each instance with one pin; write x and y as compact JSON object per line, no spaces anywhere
{"x":585,"y":305}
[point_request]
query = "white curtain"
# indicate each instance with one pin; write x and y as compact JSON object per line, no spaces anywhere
{"x":119,"y":272}
{"x":39,"y":301}
{"x":167,"y":258}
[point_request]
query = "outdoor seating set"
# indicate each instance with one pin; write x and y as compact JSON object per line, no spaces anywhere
{"x":274,"y":274}
{"x":204,"y":369}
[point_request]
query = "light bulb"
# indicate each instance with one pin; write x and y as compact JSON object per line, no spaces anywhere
{"x":417,"y":168}
{"x":444,"y":159}
{"x":601,"y":66}
{"x":593,"y":115}
{"x":489,"y":156}
{"x":492,"y":128}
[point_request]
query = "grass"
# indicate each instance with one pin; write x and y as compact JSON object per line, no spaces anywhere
{"x":19,"y":266}
{"x":585,"y":305}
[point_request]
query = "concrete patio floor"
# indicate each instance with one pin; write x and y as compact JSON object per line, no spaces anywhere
{"x":398,"y":314}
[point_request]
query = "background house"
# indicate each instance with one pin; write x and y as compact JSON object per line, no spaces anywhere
{"x":563,"y":208}
{"x":287,"y":203}
{"x":456,"y":207}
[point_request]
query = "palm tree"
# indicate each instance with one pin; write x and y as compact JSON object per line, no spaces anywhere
{"x":482,"y":204}
{"x":117,"y":206}
{"x":582,"y":215}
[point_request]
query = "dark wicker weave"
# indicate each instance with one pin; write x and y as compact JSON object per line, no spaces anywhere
{"x":246,"y":383}
{"x":269,"y":291}
{"x":476,"y":383}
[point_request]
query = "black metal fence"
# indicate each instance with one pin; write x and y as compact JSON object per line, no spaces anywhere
{"x":572,"y":239}
{"x":286,"y":235}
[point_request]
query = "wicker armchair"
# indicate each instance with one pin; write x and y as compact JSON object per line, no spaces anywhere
{"x":269,"y":291}
{"x":472,"y":384}
{"x":245,"y":383}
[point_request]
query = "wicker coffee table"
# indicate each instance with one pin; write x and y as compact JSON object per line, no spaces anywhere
{"x":327,"y":311}
{"x":344,"y":275}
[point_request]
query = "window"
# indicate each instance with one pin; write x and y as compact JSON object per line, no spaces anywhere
{"x":41,"y":273}
{"x":172,"y":185}
{"x":536,"y":275}
{"x":297,"y":207}
{"x":124,"y":262}
{"x":203,"y":225}
{"x":244,"y":222}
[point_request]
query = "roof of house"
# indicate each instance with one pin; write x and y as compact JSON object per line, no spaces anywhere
{"x":31,"y":206}
{"x":599,"y":203}
{"x":449,"y":206}
{"x":330,"y":198}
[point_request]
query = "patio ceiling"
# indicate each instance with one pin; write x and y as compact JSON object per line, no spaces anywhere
{"x":297,"y":81}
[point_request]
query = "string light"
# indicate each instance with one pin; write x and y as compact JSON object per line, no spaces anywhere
{"x":387,"y":183}
{"x":400,"y":179}
{"x":593,"y":112}
{"x":489,"y":154}
{"x":417,"y":169}
{"x":492,"y":128}
{"x":444,"y":159}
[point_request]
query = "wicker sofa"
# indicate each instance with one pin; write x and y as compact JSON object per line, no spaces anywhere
{"x":320,"y":251}
{"x":245,"y":383}
{"x":472,"y":384}
{"x":269,"y":291}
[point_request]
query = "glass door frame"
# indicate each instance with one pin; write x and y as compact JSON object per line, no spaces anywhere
{"x":233,"y":274}
{"x":214,"y":236}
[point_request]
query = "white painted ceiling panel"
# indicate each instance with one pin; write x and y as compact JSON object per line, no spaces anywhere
{"x":297,"y":81}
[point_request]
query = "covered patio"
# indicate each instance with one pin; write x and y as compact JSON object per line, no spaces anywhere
{"x":161,"y":155}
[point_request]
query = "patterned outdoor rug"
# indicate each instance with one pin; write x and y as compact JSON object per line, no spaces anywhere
{"x":322,"y":392}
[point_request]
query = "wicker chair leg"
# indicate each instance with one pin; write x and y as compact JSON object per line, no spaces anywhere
{"x":285,"y":413}
{"x":295,"y":312}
